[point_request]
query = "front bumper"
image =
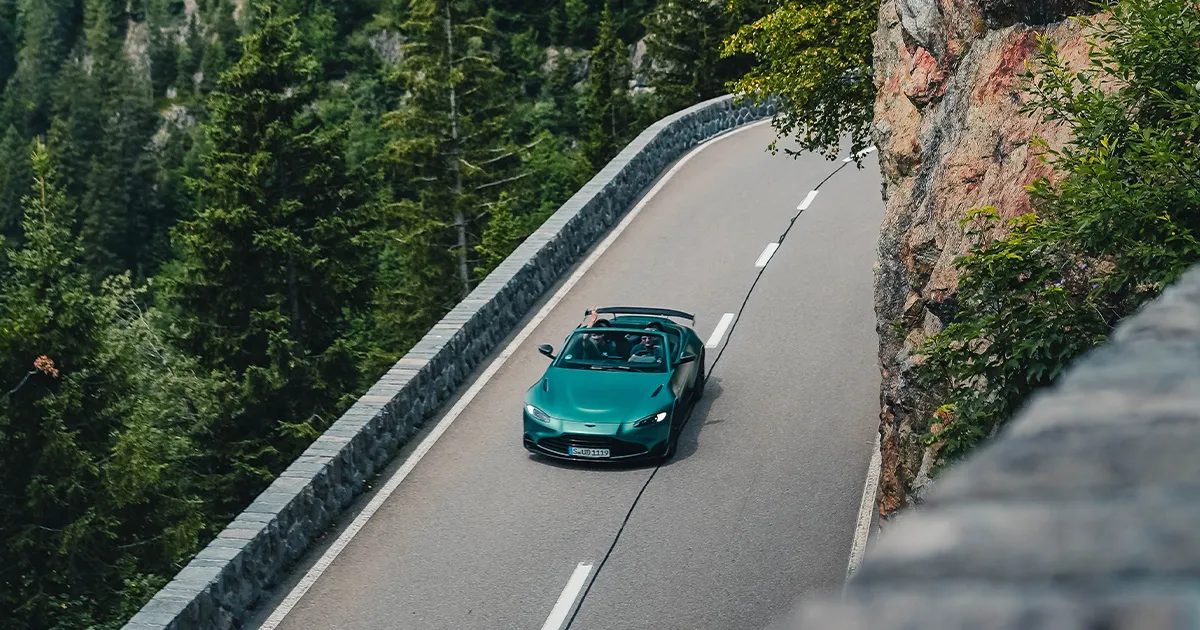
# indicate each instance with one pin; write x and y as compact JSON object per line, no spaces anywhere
{"x":623,"y":441}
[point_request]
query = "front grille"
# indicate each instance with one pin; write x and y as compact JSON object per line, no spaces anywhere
{"x":617,"y":448}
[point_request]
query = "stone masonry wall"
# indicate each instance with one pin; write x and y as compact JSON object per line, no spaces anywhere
{"x":1081,"y":514}
{"x":214,"y":591}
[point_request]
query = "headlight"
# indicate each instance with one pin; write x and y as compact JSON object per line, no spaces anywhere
{"x":649,"y":420}
{"x":538,"y":414}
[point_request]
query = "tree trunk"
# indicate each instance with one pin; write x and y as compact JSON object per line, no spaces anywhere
{"x":460,"y":220}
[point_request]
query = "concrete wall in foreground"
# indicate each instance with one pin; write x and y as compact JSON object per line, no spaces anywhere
{"x":1083,"y":513}
{"x":218,"y":586}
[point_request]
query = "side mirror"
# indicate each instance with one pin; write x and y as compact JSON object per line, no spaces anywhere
{"x":547,"y":350}
{"x":687,"y":357}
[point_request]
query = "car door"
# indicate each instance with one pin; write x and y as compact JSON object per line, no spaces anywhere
{"x":683,"y":375}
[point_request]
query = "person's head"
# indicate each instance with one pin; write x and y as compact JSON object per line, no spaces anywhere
{"x":598,"y":335}
{"x":648,"y":337}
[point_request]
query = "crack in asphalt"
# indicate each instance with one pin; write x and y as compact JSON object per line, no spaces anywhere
{"x":707,"y":376}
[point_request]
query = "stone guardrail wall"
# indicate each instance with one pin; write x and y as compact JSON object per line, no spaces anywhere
{"x":1082,"y":513}
{"x":216,"y":589}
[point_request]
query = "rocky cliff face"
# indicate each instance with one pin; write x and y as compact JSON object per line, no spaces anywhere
{"x":951,"y":138}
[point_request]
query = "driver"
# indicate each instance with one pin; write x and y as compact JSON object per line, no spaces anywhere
{"x":596,"y":344}
{"x":650,"y":344}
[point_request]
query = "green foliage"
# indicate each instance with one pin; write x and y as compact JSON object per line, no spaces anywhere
{"x":273,"y":265}
{"x":116,"y":106}
{"x":683,"y":40}
{"x":815,"y":57}
{"x":223,"y":50}
{"x":8,"y":40}
{"x":1112,"y":232}
{"x":97,"y":420}
{"x":15,"y":178}
{"x":516,"y":214}
{"x":607,"y":110}
{"x":581,"y":24}
{"x":163,"y":50}
{"x":449,"y":133}
{"x":47,"y":28}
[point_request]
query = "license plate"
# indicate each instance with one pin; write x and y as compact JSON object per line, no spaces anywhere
{"x":588,"y":452}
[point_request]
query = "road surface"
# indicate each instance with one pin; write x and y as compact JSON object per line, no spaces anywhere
{"x":759,"y":505}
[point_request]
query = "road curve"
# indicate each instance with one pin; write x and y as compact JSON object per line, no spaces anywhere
{"x":759,"y":505}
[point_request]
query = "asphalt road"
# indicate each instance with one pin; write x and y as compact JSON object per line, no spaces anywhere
{"x":759,"y":505}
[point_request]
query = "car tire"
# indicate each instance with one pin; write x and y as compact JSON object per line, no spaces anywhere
{"x":672,"y":442}
{"x":698,"y":386}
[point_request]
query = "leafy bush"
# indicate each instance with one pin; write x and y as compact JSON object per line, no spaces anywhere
{"x":1119,"y":225}
{"x":815,"y":56}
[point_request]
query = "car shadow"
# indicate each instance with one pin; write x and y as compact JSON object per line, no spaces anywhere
{"x":689,"y":439}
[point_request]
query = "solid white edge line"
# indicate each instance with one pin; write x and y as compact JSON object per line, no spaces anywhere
{"x":390,"y":486}
{"x":765,"y":256}
{"x":866,"y":511}
{"x":719,"y":331}
{"x":812,"y":194}
{"x":567,"y":599}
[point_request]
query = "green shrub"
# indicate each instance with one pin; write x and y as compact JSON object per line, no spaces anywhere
{"x":815,"y":57}
{"x":1118,"y":226}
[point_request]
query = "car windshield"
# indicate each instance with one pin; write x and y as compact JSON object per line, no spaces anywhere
{"x":615,"y":350}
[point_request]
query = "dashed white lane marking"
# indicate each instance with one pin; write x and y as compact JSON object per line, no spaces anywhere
{"x":860,"y":153}
{"x":567,"y":599}
{"x":722,"y":326}
{"x":327,"y":558}
{"x":808,"y":200}
{"x":866,"y":511}
{"x":764,"y":257}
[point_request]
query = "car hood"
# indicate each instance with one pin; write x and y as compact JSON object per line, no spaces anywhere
{"x":600,"y":397}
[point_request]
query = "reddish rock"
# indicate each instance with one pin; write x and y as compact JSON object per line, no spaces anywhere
{"x":926,"y":79}
{"x":951,"y":138}
{"x":1004,"y":79}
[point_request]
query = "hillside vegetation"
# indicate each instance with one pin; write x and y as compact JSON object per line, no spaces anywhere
{"x":222,"y":221}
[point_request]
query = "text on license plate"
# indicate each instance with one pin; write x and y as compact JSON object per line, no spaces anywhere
{"x":587,"y":452}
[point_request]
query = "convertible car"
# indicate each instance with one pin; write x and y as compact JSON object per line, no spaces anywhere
{"x":620,"y":388}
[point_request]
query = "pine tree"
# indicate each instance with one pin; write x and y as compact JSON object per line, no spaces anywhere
{"x":581,"y":26}
{"x":164,"y":50}
{"x":450,"y":135}
{"x":683,"y":40}
{"x":222,"y":48}
{"x":191,"y":55}
{"x":271,"y":267}
{"x":557,"y":25}
{"x":47,"y":29}
{"x":104,"y":119}
{"x":95,"y":416}
{"x":8,"y":40}
{"x":15,"y":178}
{"x":607,"y":107}
{"x":560,"y":89}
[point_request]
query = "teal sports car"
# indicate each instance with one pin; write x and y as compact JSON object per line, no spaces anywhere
{"x":620,"y":389}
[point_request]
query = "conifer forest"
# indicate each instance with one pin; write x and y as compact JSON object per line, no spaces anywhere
{"x":223,"y":220}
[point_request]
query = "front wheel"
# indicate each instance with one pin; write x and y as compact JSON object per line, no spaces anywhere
{"x":672,"y":440}
{"x":698,"y":386}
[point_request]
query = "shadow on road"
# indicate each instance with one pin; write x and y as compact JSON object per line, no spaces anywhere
{"x":689,"y":439}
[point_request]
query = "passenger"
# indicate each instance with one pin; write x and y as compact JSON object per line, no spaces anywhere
{"x":650,"y":345}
